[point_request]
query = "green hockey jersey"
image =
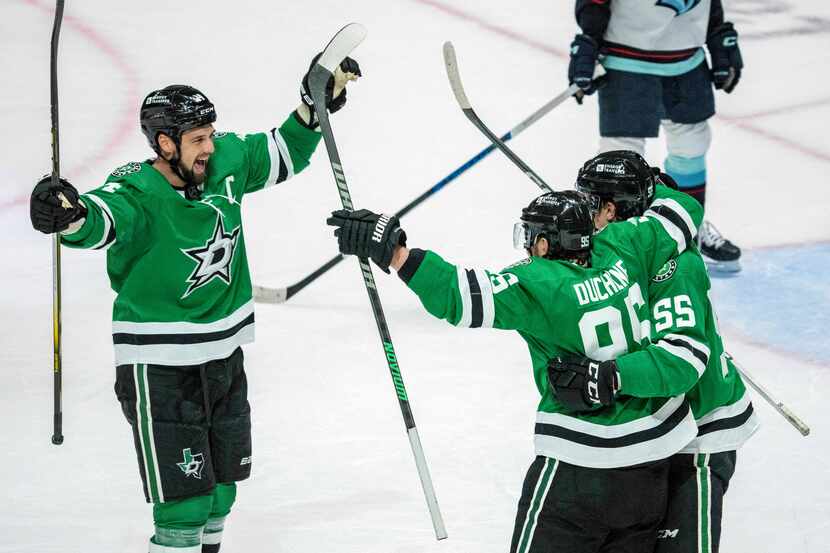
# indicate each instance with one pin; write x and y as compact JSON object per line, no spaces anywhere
{"x":600,"y":312}
{"x":178,"y":266}
{"x":687,"y":355}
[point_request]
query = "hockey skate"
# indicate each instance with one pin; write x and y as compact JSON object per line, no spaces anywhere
{"x":720,"y":254}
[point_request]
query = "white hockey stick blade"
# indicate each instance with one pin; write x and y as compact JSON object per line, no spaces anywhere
{"x":341,"y":45}
{"x":455,"y":78}
{"x":269,"y":295}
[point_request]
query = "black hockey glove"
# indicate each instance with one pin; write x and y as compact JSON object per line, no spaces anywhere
{"x":348,"y":65}
{"x":584,"y":54}
{"x":726,"y":57}
{"x":367,"y":235}
{"x":53,"y":209}
{"x":582,"y":384}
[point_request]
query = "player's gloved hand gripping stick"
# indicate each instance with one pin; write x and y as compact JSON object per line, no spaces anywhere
{"x":323,"y":71}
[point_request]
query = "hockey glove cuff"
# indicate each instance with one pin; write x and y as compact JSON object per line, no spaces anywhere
{"x":333,"y":102}
{"x":53,"y":208}
{"x":367,"y":235}
{"x":583,"y":384}
{"x":726,"y":57}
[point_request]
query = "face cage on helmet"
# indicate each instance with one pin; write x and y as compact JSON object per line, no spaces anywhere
{"x":526,"y":234}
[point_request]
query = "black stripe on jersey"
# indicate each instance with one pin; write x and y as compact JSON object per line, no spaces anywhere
{"x":676,"y":220}
{"x":701,"y":355}
{"x":476,"y":305}
{"x":283,"y":167}
{"x":727,"y":423}
{"x":153,"y":339}
{"x":111,"y":234}
{"x":547,"y":429}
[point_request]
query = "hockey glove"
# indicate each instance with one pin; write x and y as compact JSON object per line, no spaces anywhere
{"x":584,"y":54}
{"x":335,"y":88}
{"x":367,"y":235}
{"x":53,"y":209}
{"x":582,"y":384}
{"x":726,"y":57}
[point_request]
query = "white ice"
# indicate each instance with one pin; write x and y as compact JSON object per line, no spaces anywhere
{"x":332,"y":466}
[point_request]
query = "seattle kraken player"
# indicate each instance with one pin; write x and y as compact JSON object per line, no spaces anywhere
{"x":657,"y":75}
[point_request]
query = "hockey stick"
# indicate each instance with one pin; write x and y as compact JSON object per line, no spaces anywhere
{"x":461,"y":97}
{"x":57,"y":430}
{"x":782,"y":409}
{"x":264,"y":294}
{"x":340,"y":46}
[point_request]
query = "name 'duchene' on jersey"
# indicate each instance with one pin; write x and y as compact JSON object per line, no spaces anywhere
{"x":600,"y":288}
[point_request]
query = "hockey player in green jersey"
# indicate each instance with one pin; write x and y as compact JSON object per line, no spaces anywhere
{"x":176,"y":259}
{"x":600,"y":479}
{"x":686,"y":340}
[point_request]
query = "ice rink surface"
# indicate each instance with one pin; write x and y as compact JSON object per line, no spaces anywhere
{"x":332,"y":467}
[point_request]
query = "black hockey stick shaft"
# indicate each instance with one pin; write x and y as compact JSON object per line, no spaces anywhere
{"x":280,"y":295}
{"x":57,"y":361}
{"x":340,"y":46}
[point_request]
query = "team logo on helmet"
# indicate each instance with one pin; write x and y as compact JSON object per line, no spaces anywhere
{"x":679,"y":6}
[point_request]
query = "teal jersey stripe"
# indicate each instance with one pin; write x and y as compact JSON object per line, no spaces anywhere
{"x":650,"y":68}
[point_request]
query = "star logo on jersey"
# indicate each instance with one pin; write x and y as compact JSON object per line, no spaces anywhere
{"x":679,"y":6}
{"x":192,"y":464}
{"x":213,"y":260}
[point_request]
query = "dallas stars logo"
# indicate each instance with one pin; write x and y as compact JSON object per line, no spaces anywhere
{"x":213,"y":260}
{"x":192,"y":464}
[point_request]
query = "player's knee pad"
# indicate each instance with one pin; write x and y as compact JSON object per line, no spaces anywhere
{"x":179,"y":523}
{"x":633,"y":143}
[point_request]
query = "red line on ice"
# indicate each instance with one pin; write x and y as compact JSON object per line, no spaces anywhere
{"x":127,"y":119}
{"x":499,"y":30}
{"x":736,"y":121}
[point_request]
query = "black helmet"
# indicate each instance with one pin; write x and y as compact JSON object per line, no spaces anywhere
{"x":172,"y":111}
{"x":564,"y":219}
{"x":620,"y":176}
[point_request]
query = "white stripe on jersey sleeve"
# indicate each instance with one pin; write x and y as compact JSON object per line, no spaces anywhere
{"x":684,"y":354}
{"x":671,"y":228}
{"x":680,"y":210}
{"x":694,"y":344}
{"x":488,"y":305}
{"x":286,"y":156}
{"x":109,"y":222}
{"x":466,"y":298}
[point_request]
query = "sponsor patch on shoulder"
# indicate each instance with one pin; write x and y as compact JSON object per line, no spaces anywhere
{"x":525,"y":261}
{"x":666,"y":271}
{"x":124,"y":170}
{"x":219,"y":134}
